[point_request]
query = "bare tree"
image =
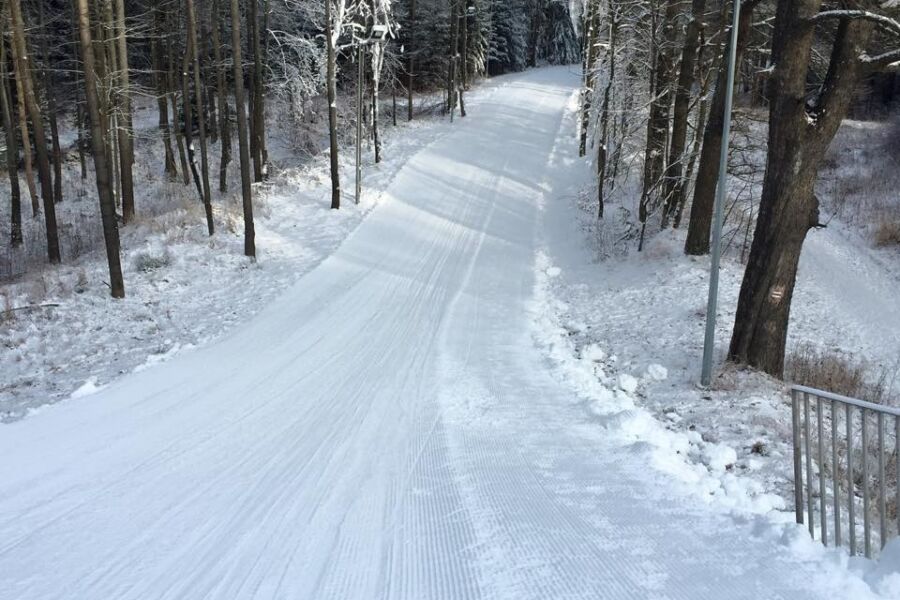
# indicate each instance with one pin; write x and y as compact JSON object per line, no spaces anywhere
{"x":201,"y":113}
{"x":674,"y":184}
{"x":101,"y":164}
{"x":661,"y":76}
{"x":411,"y":67}
{"x":243,"y":142}
{"x":591,"y":24}
{"x":161,"y":86}
{"x":606,"y":115}
{"x":334,"y":19}
{"x":126,"y":133}
{"x":12,"y":153}
{"x":32,"y":105}
{"x":697,"y":242}
{"x":222,"y":91}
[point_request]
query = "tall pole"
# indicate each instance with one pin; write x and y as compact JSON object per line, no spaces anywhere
{"x":713,"y":302}
{"x":359,"y":113}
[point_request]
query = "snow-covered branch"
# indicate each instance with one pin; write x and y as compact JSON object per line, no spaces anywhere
{"x":882,"y":20}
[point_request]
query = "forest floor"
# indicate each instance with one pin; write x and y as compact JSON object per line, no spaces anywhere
{"x":440,"y":403}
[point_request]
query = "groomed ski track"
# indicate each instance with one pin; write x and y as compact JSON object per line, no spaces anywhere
{"x":386,"y":430}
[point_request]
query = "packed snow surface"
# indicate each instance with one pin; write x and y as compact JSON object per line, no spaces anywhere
{"x":388,"y":428}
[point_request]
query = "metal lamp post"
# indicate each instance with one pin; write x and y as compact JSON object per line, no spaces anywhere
{"x":719,"y":215}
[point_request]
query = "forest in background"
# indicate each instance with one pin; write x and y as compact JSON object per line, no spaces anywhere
{"x":218,"y":72}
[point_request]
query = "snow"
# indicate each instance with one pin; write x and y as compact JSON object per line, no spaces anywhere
{"x":87,"y":388}
{"x":728,"y":446}
{"x":184,"y":289}
{"x":415,"y":416}
{"x":627,"y":383}
{"x":657,"y":372}
{"x":885,"y":577}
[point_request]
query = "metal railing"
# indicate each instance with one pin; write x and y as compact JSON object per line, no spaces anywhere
{"x":845,"y":448}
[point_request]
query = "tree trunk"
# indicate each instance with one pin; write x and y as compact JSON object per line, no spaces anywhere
{"x":23,"y":72}
{"x":52,"y":112}
{"x":331,"y":84}
{"x":660,"y":109}
{"x":25,"y":136}
{"x":262,"y":89}
{"x":588,"y":76}
{"x":79,"y":125}
{"x":377,"y":64}
{"x":699,"y":226}
{"x":201,"y":114}
{"x":682,"y":189}
{"x":674,"y":184}
{"x":126,"y":131}
{"x":101,"y":166}
{"x":12,"y":153}
{"x":160,"y":83}
{"x":798,"y":140}
{"x":79,"y":103}
{"x":173,"y":100}
{"x":187,"y":109}
{"x":224,"y":113}
{"x":243,"y":143}
{"x":258,"y":143}
{"x":209,"y":99}
{"x":107,"y":28}
{"x":454,"y":56}
{"x":605,"y":114}
{"x":412,"y":60}
{"x":534,"y":32}
{"x":463,"y":60}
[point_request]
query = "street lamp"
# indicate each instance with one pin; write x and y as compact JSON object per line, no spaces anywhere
{"x":713,"y":301}
{"x":378,"y":34}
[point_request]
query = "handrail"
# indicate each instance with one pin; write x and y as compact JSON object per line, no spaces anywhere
{"x":828,"y":453}
{"x":890,"y":410}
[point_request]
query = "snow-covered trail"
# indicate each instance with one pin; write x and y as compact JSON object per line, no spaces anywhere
{"x":387,"y":429}
{"x":843,"y":280}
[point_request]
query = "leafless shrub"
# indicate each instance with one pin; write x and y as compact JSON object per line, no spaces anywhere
{"x":834,"y":372}
{"x":887,"y":232}
{"x":146,"y":261}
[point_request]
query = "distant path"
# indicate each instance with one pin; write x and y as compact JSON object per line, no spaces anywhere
{"x":386,"y":430}
{"x":864,"y":306}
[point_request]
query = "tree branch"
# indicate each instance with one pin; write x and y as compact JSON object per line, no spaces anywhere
{"x":882,"y":20}
{"x":881,"y":62}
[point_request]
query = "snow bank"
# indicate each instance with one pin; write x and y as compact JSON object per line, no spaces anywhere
{"x":703,"y":469}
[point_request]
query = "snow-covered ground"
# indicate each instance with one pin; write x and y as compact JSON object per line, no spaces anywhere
{"x":626,"y":329}
{"x":61,"y":333}
{"x":416,"y":417}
